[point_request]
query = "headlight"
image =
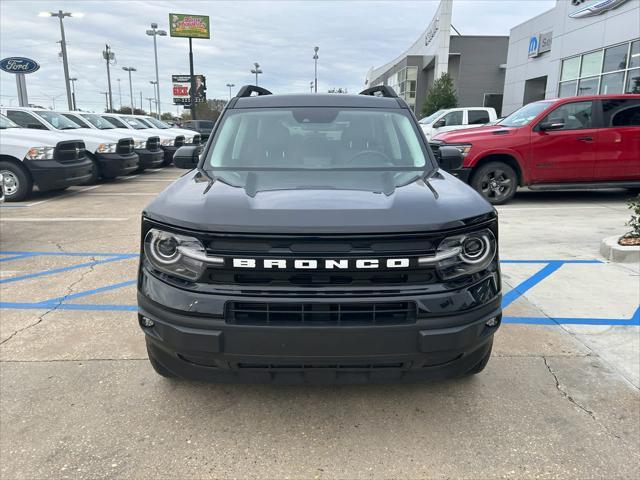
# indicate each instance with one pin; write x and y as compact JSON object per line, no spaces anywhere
{"x":168,"y":143}
{"x":139,"y":144}
{"x":107,"y":147}
{"x":463,"y":254}
{"x":40,"y":153}
{"x":463,"y":149}
{"x":178,"y":255}
{"x":188,"y":139}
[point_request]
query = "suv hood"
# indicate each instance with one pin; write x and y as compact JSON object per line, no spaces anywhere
{"x":194,"y":202}
{"x":472,"y":134}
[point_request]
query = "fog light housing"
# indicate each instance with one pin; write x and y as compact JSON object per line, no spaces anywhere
{"x":147,"y":322}
{"x":492,"y":322}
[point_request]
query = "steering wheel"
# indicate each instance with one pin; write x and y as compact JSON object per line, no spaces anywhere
{"x":381,"y":155}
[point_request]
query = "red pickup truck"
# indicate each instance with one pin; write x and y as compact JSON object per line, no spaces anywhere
{"x":575,"y":142}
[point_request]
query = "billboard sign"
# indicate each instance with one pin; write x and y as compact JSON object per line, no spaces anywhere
{"x":182,"y":88}
{"x":18,"y":65}
{"x":189,"y":26}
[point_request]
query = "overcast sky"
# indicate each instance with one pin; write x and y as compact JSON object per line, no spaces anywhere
{"x":352,"y":35}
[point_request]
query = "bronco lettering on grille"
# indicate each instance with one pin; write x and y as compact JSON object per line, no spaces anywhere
{"x":329,"y":264}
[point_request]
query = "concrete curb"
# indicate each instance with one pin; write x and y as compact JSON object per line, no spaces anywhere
{"x":613,"y":252}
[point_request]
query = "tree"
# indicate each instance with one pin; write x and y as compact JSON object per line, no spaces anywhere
{"x":440,"y":95}
{"x":127,"y":111}
{"x":167,"y":116}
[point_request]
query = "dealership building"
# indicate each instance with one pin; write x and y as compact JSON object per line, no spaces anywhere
{"x":579,"y":47}
{"x":476,"y":64}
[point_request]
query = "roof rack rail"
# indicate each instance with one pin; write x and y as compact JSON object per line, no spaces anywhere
{"x":247,"y":90}
{"x":381,"y":91}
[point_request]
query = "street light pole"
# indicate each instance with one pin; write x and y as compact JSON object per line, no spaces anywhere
{"x":311,"y":85}
{"x":155,"y":32}
{"x":155,"y":98}
{"x":106,"y":100}
{"x":256,"y":70}
{"x":230,"y":85}
{"x":108,"y":55}
{"x":129,"y":70}
{"x":119,"y":94}
{"x":65,"y":64}
{"x":151,"y":99}
{"x":73,"y":92}
{"x":315,"y":76}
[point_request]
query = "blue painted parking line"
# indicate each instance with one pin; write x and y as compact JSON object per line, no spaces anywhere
{"x":62,"y":303}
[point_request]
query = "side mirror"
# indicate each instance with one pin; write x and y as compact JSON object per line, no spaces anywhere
{"x":187,"y":157}
{"x":36,"y":126}
{"x":439,"y":123}
{"x":555,"y":125}
{"x":450,"y":158}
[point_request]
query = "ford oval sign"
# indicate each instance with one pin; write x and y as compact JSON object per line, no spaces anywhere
{"x":18,"y":65}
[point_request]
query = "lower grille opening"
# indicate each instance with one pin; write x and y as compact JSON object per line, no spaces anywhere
{"x":341,"y":366}
{"x":338,"y":314}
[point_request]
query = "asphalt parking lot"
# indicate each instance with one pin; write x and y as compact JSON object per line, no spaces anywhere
{"x":78,"y":399}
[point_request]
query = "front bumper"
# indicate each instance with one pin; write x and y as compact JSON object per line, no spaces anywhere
{"x":115,"y":165}
{"x":52,"y":175}
{"x":150,"y":159}
{"x":205,"y":347}
{"x":463,"y":174}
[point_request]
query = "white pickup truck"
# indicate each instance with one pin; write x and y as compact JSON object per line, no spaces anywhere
{"x":456,"y":119}
{"x":47,"y":159}
{"x":112,"y":153}
{"x":145,"y":143}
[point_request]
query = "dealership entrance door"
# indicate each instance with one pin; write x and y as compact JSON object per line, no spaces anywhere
{"x":534,"y":89}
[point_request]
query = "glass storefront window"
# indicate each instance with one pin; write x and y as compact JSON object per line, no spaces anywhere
{"x":634,"y":61}
{"x":588,"y":86}
{"x":412,"y":73}
{"x":570,"y":68}
{"x":591,"y":64}
{"x":633,"y":81}
{"x":615,"y":58}
{"x":612,"y":83}
{"x":567,"y":89}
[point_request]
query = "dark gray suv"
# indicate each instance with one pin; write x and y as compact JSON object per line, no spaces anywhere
{"x":316,"y":239}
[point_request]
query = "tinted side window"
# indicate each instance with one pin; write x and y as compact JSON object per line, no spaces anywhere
{"x":23,"y":119}
{"x":575,"y":116}
{"x":621,"y":113}
{"x":76,"y":120}
{"x":453,"y":118}
{"x":206,"y":124}
{"x":478,"y":117}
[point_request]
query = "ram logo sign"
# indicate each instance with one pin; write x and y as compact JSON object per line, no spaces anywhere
{"x":596,"y":7}
{"x":540,"y":43}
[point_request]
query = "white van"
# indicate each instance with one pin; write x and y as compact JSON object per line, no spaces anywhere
{"x":456,"y":119}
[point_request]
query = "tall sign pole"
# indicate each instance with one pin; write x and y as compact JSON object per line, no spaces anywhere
{"x":192,"y":90}
{"x":20,"y":66}
{"x":21,"y":85}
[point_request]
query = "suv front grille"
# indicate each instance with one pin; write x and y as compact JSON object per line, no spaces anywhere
{"x":69,"y":151}
{"x":153,"y":143}
{"x":196,"y":139}
{"x":435,"y":148}
{"x":322,"y":314}
{"x":125,"y":146}
{"x":179,"y":141}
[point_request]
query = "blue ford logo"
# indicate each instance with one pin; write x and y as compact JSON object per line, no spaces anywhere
{"x":18,"y":65}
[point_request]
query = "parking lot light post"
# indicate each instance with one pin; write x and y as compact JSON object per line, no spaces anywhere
{"x":311,"y":86}
{"x":106,"y":100}
{"x":63,"y":43}
{"x":155,"y":98}
{"x":151,"y":102}
{"x":119,"y":94}
{"x":129,"y":70}
{"x":257,"y":71}
{"x":73,"y":92}
{"x":154,"y":32}
{"x":230,"y":85}
{"x":315,"y":69}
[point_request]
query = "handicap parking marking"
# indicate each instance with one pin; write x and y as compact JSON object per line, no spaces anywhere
{"x":548,"y":268}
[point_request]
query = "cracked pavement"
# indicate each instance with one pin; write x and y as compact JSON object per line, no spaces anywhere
{"x":79,"y":400}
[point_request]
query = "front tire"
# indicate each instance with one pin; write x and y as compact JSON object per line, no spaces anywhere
{"x":17,"y":181}
{"x":497,"y":182}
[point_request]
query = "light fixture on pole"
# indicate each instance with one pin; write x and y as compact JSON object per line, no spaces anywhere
{"x":230,"y":85}
{"x":65,"y":64}
{"x":129,"y":70}
{"x":257,"y":71}
{"x":315,"y":76}
{"x":73,"y":92}
{"x":155,"y":98}
{"x":154,"y":32}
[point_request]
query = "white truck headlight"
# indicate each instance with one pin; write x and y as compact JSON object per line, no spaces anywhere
{"x":40,"y":153}
{"x":178,"y":255}
{"x":463,"y":254}
{"x":139,"y":144}
{"x":168,"y":143}
{"x":188,"y":139}
{"x":107,"y":148}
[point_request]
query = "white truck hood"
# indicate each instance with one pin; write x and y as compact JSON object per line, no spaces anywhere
{"x":34,"y":137}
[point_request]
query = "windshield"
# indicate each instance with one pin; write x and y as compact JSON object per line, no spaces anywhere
{"x":78,"y":121}
{"x":6,"y":123}
{"x":115,"y":121}
{"x":157,"y":123}
{"x":135,"y":123}
{"x":59,"y":122}
{"x":525,"y":114}
{"x":431,"y":118}
{"x":313,"y":144}
{"x":98,"y":122}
